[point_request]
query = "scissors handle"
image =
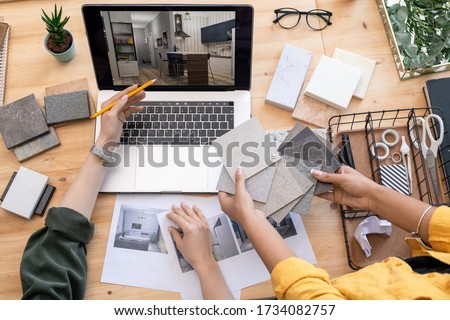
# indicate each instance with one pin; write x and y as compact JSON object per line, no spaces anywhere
{"x":434,"y":143}
{"x":413,"y":137}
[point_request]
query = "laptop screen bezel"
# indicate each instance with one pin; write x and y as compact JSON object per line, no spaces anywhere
{"x":99,"y":52}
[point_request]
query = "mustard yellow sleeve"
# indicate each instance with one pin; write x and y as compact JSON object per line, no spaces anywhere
{"x":295,"y":278}
{"x":439,"y":230}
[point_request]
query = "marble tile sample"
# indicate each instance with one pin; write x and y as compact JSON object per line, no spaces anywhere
{"x":288,"y":78}
{"x":278,"y":136}
{"x":246,"y":146}
{"x":75,"y":85}
{"x":333,"y":83}
{"x":366,"y":66}
{"x":285,"y":189}
{"x":37,"y":145}
{"x":21,"y":120}
{"x":258,"y":186}
{"x":67,"y":107}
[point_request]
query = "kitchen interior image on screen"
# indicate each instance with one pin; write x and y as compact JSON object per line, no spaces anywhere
{"x":179,"y":48}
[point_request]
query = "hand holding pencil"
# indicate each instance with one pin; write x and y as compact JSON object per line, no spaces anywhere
{"x":130,"y":94}
{"x":112,"y":121}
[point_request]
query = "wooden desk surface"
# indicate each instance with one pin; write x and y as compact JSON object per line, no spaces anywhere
{"x":356,"y":27}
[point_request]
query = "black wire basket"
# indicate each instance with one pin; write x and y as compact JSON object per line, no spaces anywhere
{"x":369,"y":122}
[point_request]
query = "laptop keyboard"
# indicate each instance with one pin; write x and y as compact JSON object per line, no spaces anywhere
{"x":178,"y":123}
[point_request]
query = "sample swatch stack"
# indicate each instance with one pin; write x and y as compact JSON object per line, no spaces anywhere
{"x":277,"y":167}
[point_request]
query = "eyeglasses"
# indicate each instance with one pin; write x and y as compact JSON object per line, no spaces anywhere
{"x":316,"y":19}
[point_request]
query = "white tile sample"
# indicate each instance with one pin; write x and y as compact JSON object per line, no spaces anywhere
{"x":246,"y":146}
{"x":288,"y":78}
{"x":333,"y":83}
{"x":25,"y":192}
{"x":366,"y":66}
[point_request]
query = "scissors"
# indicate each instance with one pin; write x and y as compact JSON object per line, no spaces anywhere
{"x":430,"y":152}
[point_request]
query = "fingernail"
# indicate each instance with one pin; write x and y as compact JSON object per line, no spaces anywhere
{"x":124,"y":97}
{"x":239,"y":171}
{"x":316,"y":173}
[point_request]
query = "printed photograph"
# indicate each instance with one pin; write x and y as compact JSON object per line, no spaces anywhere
{"x":138,"y":229}
{"x":285,"y":228}
{"x":223,"y":242}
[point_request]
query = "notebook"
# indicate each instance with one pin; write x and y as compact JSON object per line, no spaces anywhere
{"x":4,"y":34}
{"x":438,"y":99}
{"x":202,"y":63}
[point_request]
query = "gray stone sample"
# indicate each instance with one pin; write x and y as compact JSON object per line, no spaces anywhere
{"x":21,"y":121}
{"x":67,"y":107}
{"x":37,"y":145}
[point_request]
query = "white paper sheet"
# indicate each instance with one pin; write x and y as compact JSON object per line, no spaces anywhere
{"x":239,"y":262}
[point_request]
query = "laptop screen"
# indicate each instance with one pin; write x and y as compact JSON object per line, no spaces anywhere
{"x":183,"y":47}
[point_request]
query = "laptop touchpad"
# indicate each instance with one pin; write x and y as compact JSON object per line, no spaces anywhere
{"x":171,"y":169}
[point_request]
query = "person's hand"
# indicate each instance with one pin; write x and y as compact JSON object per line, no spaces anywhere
{"x":238,"y":207}
{"x":112,"y":120}
{"x":194,"y":242}
{"x":350,"y":188}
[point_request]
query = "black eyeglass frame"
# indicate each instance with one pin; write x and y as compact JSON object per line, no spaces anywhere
{"x":325,"y":15}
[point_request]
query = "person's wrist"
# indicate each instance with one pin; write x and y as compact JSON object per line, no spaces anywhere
{"x":206,"y":266}
{"x":250,"y":217}
{"x":375,"y":190}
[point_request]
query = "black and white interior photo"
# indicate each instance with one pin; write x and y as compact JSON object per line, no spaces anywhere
{"x":138,"y":229}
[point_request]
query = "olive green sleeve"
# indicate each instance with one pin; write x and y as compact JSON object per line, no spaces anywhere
{"x":54,"y":262}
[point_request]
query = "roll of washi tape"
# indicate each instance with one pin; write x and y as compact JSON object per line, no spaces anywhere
{"x":390,"y":132}
{"x":396,"y":157}
{"x":383,"y":146}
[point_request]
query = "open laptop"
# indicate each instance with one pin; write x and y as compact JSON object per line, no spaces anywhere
{"x":201,"y":57}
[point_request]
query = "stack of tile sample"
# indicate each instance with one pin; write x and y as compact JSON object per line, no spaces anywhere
{"x":277,"y":166}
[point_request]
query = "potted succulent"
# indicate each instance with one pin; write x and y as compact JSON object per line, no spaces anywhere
{"x":58,"y":42}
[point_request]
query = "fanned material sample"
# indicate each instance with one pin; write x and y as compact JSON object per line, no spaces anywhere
{"x":285,"y":189}
{"x":246,"y":146}
{"x":21,"y":121}
{"x":302,"y":206}
{"x":258,"y":186}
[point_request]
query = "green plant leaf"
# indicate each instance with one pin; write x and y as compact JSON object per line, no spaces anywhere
{"x":402,"y":13}
{"x":411,"y":50}
{"x":404,"y":38}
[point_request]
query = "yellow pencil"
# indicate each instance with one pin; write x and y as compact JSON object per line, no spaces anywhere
{"x":130,"y":94}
